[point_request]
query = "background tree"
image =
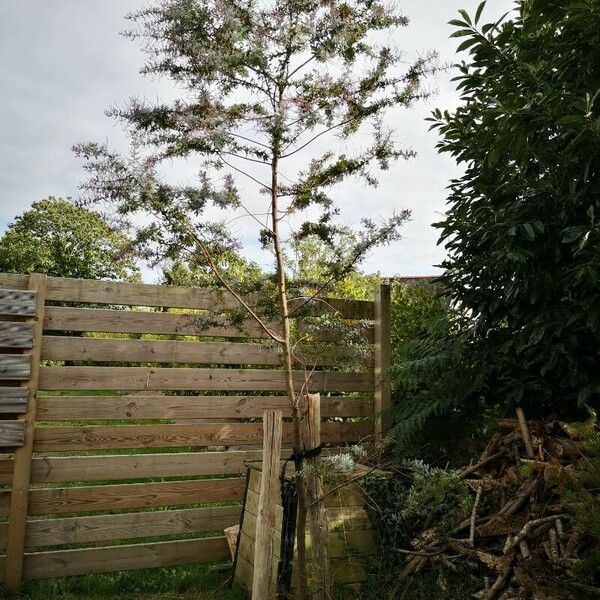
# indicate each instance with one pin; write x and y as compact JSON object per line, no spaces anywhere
{"x":58,"y":238}
{"x":522,"y":226}
{"x":276,"y":95}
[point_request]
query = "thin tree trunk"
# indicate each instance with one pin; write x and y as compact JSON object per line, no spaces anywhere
{"x":288,"y":363}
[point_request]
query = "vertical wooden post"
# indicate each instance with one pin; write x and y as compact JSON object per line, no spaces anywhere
{"x":382,"y":355}
{"x":17,"y":523}
{"x":263,"y":581}
{"x":317,"y":515}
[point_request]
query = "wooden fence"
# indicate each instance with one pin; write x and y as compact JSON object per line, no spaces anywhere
{"x":108,"y":467}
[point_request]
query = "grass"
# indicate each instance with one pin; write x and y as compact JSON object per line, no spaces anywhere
{"x":197,"y":582}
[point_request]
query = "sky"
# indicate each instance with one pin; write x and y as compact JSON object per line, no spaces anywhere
{"x":64,"y":62}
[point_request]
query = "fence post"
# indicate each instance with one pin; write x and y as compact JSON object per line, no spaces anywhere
{"x":263,"y":581}
{"x":17,"y":523}
{"x":382,"y":355}
{"x":317,"y":521}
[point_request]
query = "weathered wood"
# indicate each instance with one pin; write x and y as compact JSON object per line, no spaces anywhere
{"x":59,"y":318}
{"x":98,"y":498}
{"x":11,"y":433}
{"x":158,"y":351}
{"x":15,"y":367}
{"x":13,"y":400}
{"x":183,"y":378}
{"x":17,"y":302}
{"x":82,"y":408}
{"x":382,"y":350}
{"x":269,"y":498}
{"x":16,"y":335}
{"x":65,"y":289}
{"x":105,"y":528}
{"x":57,"y":469}
{"x":40,"y":565}
{"x":317,"y":514}
{"x":22,"y":462}
{"x":53,"y":439}
{"x":348,"y":496}
{"x":160,"y":323}
{"x":168,"y":351}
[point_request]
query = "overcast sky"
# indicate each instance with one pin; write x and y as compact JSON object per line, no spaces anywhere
{"x":63,"y":63}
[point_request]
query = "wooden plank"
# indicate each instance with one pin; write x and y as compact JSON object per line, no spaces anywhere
{"x":15,"y":547}
{"x":13,"y":400}
{"x":82,"y":408}
{"x":6,"y":470}
{"x":99,"y":498}
{"x":15,"y":367}
{"x":66,"y":289}
{"x":63,"y":563}
{"x":16,"y":335}
{"x":56,"y":469}
{"x":59,"y":318}
{"x":157,"y":351}
{"x":17,"y":302}
{"x":169,"y":351}
{"x":316,"y":511}
{"x":105,"y":528}
{"x":267,"y":503}
{"x":53,"y":439}
{"x":182,"y":378}
{"x":382,"y":350}
{"x":12,"y":433}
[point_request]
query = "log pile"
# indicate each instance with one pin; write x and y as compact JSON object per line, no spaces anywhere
{"x":519,"y":541}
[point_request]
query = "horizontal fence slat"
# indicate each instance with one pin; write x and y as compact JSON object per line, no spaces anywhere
{"x":146,"y":378}
{"x":65,"y":289}
{"x":15,"y":367}
{"x":12,"y":433}
{"x":105,"y":528}
{"x":57,"y":318}
{"x":99,"y":349}
{"x":55,"y":469}
{"x":54,"y":439}
{"x":100,"y":498}
{"x":159,"y":351}
{"x":61,"y":563}
{"x":13,"y":400}
{"x":16,"y":335}
{"x":82,"y":408}
{"x":19,"y":303}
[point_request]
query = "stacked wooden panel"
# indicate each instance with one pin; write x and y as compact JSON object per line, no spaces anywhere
{"x":145,"y":416}
{"x":351,"y":535}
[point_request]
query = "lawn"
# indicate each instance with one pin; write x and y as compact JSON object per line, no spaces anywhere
{"x":197,"y":582}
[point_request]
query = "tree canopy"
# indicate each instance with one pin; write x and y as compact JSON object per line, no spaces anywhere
{"x":522,"y":224}
{"x":58,"y":238}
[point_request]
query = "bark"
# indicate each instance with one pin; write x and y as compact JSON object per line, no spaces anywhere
{"x":288,"y":364}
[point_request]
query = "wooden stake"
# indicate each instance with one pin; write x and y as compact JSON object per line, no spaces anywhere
{"x":17,"y":523}
{"x":317,"y":515}
{"x":382,"y":360}
{"x":263,"y":581}
{"x":525,"y":433}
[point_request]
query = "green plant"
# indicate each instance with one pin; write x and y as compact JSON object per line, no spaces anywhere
{"x":436,"y":389}
{"x":522,"y":229}
{"x":58,"y":238}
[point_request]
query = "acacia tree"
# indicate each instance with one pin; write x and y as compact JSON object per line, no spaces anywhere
{"x":272,"y":94}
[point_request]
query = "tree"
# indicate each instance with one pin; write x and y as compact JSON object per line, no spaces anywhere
{"x":58,"y":238}
{"x":522,"y":225}
{"x":265,"y":87}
